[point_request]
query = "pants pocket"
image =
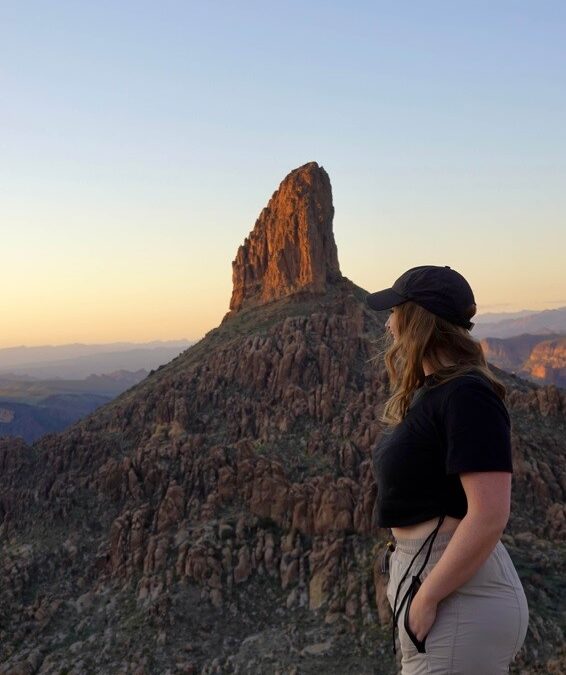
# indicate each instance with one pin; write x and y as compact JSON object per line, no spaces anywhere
{"x":413,"y":588}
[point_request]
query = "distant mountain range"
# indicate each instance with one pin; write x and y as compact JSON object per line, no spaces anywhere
{"x":77,"y":361}
{"x":45,"y":389}
{"x":113,"y":360}
{"x":545,"y":322}
{"x":527,"y":343}
{"x":494,"y":317}
{"x":55,"y":413}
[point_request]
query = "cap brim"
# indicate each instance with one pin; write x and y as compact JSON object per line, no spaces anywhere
{"x":384,"y":299}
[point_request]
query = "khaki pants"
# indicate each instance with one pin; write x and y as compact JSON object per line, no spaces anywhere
{"x":479,"y":628}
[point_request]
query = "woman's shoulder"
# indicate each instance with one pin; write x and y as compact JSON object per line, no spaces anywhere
{"x":473,"y":394}
{"x":472,"y":379}
{"x":464,"y":386}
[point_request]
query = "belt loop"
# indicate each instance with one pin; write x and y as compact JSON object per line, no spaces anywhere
{"x":389,"y":548}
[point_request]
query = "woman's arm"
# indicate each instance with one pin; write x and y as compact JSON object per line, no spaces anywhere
{"x":489,"y":500}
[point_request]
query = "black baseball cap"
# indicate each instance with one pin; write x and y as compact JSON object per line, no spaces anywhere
{"x":441,"y":290}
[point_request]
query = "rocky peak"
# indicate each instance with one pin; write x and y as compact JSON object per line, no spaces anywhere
{"x":291,"y":247}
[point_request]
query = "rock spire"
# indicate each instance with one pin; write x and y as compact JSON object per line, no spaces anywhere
{"x":291,"y":247}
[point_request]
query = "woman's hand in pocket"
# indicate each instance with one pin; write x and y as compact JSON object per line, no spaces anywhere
{"x":422,"y":615}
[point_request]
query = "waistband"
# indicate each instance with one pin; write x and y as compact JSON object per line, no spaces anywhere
{"x":411,"y":546}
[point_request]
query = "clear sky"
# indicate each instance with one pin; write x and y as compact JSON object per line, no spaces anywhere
{"x":140,"y":140}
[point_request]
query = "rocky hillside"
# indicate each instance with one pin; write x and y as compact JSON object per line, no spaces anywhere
{"x":217,"y":517}
{"x":539,"y":358}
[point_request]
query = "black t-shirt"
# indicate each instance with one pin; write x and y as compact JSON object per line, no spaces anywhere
{"x":460,"y":425}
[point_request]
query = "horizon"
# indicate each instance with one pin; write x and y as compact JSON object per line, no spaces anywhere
{"x":197,"y":339}
{"x":143,"y":142}
{"x":71,"y":344}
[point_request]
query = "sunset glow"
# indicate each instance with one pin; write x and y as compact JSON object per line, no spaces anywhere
{"x":140,"y":142}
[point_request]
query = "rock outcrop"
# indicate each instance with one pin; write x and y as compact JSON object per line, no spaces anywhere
{"x":291,"y":247}
{"x":547,"y":362}
{"x":539,"y":358}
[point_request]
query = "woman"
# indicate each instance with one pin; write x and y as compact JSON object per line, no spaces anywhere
{"x":443,"y":470}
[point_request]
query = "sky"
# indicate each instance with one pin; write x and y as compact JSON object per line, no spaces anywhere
{"x":139,"y":142}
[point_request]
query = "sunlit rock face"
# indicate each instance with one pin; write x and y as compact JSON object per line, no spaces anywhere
{"x":291,"y":247}
{"x":540,"y":358}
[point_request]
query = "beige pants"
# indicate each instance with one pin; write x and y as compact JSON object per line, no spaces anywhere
{"x":479,"y":628}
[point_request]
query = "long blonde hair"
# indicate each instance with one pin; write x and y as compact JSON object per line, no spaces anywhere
{"x":422,"y":334}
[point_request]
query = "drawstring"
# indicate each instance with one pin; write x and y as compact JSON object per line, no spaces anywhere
{"x":396,"y":614}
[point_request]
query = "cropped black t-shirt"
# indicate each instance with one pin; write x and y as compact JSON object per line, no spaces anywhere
{"x":457,"y":426}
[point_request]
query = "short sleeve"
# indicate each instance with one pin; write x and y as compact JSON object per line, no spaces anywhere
{"x":477,"y":429}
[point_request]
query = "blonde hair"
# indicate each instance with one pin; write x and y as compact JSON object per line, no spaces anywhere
{"x":422,"y":334}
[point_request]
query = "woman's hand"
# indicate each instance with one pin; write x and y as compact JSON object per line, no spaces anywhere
{"x":422,"y":614}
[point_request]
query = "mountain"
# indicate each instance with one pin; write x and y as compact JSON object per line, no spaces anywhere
{"x":12,"y":356}
{"x":217,"y":516}
{"x":540,"y":358}
{"x":547,"y":322}
{"x":55,"y":413}
{"x":31,"y":408}
{"x":45,"y":389}
{"x":27,"y":389}
{"x":494,"y":317}
{"x":547,"y":361}
{"x":78,"y":361}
